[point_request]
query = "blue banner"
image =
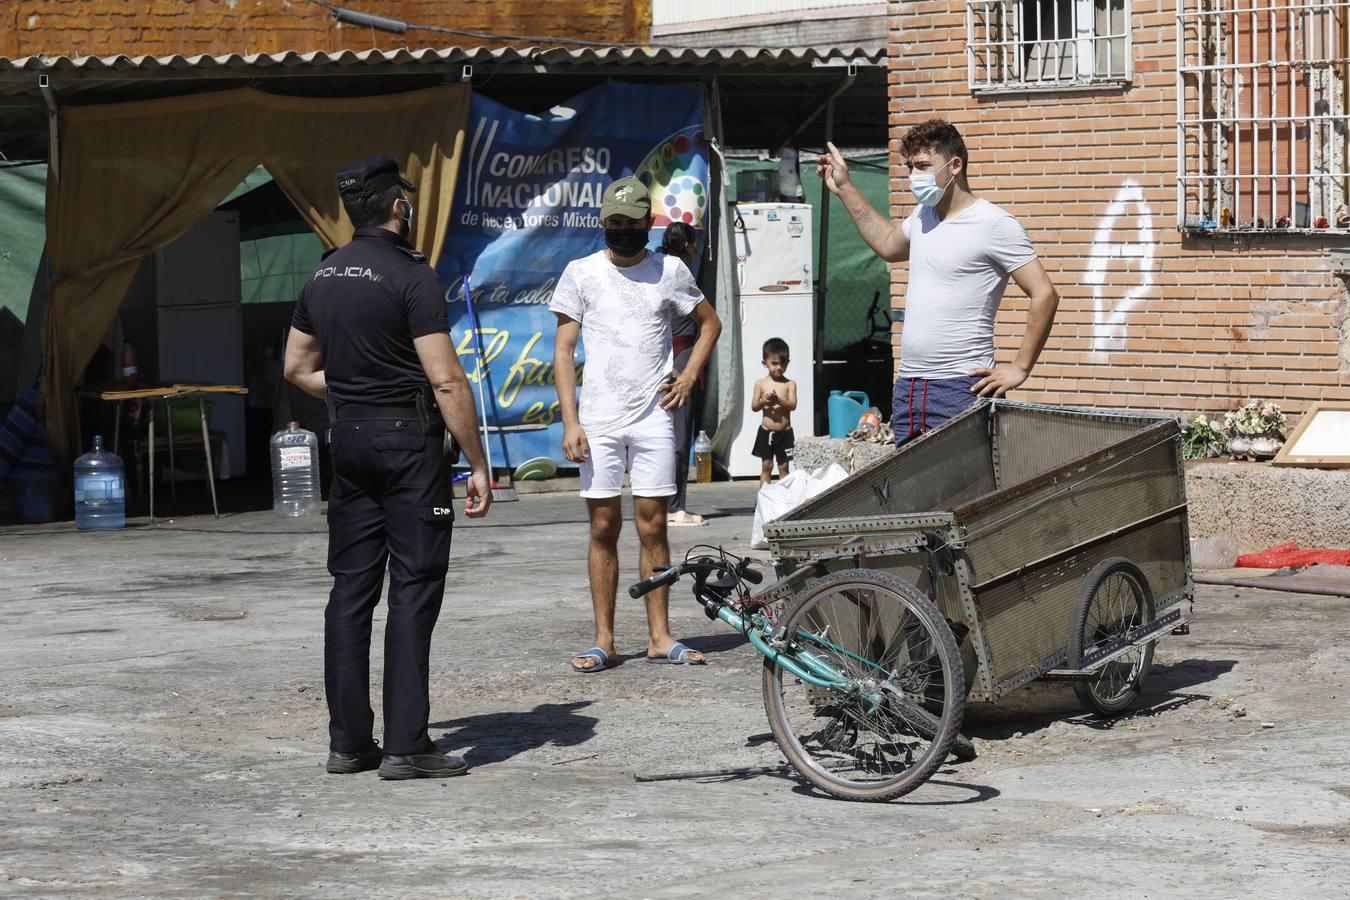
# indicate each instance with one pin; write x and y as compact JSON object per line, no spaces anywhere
{"x":527,"y":203}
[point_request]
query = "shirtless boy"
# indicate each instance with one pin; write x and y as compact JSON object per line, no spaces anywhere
{"x":776,"y":396}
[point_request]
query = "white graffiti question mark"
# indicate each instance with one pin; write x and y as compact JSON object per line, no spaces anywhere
{"x":1108,"y":319}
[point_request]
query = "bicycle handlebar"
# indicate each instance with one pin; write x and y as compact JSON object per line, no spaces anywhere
{"x":647,"y":585}
{"x":706,"y":564}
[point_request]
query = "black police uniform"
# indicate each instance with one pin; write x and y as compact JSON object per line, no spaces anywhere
{"x":390,"y":496}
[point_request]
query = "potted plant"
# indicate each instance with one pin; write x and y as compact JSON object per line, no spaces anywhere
{"x":1256,"y":429}
{"x":1202,"y":438}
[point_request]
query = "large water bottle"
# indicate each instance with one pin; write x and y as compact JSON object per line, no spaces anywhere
{"x":100,"y":489}
{"x":295,"y":472}
{"x":702,"y":459}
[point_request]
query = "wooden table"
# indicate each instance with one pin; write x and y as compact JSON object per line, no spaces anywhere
{"x":166,"y":393}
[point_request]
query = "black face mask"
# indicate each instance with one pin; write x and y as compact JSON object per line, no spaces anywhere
{"x":626,"y":242}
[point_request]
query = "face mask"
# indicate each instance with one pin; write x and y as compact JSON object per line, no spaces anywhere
{"x":923,"y":185}
{"x":626,"y":242}
{"x":408,"y":219}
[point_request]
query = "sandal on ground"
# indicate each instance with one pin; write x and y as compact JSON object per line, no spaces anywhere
{"x":683,"y":519}
{"x":678,"y":655}
{"x":601,"y":661}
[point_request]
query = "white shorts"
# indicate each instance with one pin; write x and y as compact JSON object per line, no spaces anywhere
{"x":645,"y":450}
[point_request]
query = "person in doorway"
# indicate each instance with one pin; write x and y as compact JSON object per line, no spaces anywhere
{"x":680,"y":241}
{"x":776,"y":396}
{"x":961,"y":251}
{"x":370,"y":336}
{"x":620,"y":302}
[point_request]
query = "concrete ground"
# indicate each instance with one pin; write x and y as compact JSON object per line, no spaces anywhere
{"x":162,"y":734}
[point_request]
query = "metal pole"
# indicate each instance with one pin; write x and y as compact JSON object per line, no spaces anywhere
{"x":822,"y":289}
{"x":206,"y":445}
{"x":53,"y":126}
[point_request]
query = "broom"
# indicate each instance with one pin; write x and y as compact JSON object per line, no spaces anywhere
{"x":500,"y":493}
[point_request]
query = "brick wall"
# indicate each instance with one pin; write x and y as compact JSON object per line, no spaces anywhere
{"x":188,"y":27}
{"x":1176,"y":323}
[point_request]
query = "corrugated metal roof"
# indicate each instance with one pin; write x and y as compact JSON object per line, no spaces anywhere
{"x":262,"y":62}
{"x":763,"y":88}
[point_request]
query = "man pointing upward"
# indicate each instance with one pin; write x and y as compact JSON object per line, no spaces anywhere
{"x":961,"y":252}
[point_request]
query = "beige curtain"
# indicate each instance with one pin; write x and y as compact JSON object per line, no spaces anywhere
{"x":423,"y":130}
{"x":133,"y":177}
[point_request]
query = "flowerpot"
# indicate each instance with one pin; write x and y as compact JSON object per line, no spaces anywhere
{"x":1265,"y":447}
{"x":1239,"y":446}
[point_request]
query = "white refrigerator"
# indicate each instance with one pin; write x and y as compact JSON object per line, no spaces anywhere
{"x":775,"y":298}
{"x":200,"y":316}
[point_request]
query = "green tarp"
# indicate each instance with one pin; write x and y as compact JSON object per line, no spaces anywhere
{"x":855,"y":273}
{"x":23,"y":193}
{"x":273,"y":269}
{"x":277,"y":251}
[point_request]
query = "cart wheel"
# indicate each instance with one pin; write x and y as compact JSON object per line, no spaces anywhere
{"x":897,"y":712}
{"x":1115,"y":598}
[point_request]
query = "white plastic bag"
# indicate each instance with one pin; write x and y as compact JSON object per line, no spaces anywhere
{"x":793,"y":490}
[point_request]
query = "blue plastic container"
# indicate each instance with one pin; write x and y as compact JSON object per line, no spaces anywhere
{"x":100,"y":489}
{"x":846,"y":408}
{"x":37,"y":494}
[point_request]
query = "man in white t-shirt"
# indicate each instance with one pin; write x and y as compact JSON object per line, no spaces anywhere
{"x":961,"y":251}
{"x":621,"y":301}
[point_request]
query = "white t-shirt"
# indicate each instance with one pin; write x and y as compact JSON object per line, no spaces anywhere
{"x":625,"y":316}
{"x":958,"y":268}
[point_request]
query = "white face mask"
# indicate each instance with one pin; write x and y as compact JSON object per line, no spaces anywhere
{"x":923,"y":185}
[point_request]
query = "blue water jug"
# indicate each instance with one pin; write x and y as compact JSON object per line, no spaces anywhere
{"x":100,"y":489}
{"x":846,"y":408}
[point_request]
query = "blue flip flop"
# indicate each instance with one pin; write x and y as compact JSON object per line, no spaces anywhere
{"x":594,"y":653}
{"x":676,"y":656}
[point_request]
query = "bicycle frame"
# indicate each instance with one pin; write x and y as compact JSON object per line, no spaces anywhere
{"x":759,"y":630}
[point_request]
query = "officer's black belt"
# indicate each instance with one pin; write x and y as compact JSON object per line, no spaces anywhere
{"x":355,"y":412}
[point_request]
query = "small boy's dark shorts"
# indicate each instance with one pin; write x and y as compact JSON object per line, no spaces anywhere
{"x":773,"y":444}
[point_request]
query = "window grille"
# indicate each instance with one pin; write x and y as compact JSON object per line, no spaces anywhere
{"x":1022,"y":45}
{"x":1262,"y":115}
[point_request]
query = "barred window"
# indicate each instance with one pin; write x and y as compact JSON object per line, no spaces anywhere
{"x":1262,"y":115}
{"x":1022,"y":45}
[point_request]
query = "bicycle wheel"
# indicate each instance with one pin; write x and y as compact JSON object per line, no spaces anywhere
{"x":1115,"y":598}
{"x":888,"y":728}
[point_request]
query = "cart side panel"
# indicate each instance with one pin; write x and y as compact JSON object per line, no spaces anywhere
{"x":1117,"y":488}
{"x":1027,"y":620}
{"x":1032,"y":440}
{"x":943,"y":468}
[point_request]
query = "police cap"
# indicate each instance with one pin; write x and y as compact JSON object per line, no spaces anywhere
{"x":370,"y":175}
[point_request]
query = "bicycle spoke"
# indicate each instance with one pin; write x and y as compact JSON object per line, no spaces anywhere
{"x":876,"y":731}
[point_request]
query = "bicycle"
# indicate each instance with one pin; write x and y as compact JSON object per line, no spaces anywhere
{"x":863,"y":682}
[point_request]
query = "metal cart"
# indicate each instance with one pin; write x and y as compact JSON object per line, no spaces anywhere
{"x":1053,"y":540}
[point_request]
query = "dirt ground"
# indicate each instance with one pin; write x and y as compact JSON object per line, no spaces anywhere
{"x":163,"y":731}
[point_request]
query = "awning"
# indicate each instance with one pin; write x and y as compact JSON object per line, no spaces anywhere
{"x":767,"y":93}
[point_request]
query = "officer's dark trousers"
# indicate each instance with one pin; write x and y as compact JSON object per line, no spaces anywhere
{"x":389,"y":503}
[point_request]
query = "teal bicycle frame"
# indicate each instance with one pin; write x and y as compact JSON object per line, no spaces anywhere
{"x":802,"y":664}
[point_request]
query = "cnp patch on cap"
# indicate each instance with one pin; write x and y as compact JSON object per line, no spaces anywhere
{"x":626,"y":197}
{"x":370,"y":175}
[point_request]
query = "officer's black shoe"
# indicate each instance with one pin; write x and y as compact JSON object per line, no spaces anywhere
{"x":351,"y":763}
{"x":431,"y":764}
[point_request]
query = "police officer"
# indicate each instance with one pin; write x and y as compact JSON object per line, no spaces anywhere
{"x":370,"y":336}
